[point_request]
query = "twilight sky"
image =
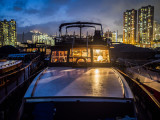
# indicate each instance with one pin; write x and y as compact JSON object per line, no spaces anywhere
{"x":47,"y":15}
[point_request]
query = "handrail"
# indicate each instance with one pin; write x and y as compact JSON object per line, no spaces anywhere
{"x":121,"y":81}
{"x":37,"y":80}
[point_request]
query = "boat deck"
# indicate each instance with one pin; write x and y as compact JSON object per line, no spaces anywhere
{"x":86,"y":82}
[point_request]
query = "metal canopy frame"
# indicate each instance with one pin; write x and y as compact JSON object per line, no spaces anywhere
{"x":80,"y":25}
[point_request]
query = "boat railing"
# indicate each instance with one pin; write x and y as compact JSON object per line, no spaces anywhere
{"x":11,"y":81}
{"x":69,"y":39}
{"x":80,"y":40}
{"x":122,"y":84}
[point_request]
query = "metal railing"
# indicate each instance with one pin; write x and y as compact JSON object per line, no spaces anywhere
{"x":9,"y":82}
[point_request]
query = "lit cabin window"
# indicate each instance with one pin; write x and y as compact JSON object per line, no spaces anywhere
{"x":48,"y":51}
{"x":100,"y":56}
{"x":59,"y":56}
{"x":80,"y":55}
{"x":41,"y":49}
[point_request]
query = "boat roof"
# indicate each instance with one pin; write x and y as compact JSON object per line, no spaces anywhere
{"x":9,"y":63}
{"x":79,"y":82}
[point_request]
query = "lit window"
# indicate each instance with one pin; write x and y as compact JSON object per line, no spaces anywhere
{"x":79,"y":53}
{"x":100,"y":56}
{"x":59,"y":56}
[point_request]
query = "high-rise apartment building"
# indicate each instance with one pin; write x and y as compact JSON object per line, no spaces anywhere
{"x":145,"y":24}
{"x":1,"y":35}
{"x":12,"y":34}
{"x":156,"y":31}
{"x":129,"y":26}
{"x":108,"y":34}
{"x":114,"y":36}
{"x":8,"y":35}
{"x":111,"y":35}
{"x":120,"y":38}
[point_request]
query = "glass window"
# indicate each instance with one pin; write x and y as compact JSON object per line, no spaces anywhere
{"x":42,"y":49}
{"x":59,"y":56}
{"x":48,"y":51}
{"x":100,"y":56}
{"x":79,"y":52}
{"x":76,"y":53}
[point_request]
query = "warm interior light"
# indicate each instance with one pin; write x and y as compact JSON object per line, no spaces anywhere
{"x":100,"y":58}
{"x":97,"y":51}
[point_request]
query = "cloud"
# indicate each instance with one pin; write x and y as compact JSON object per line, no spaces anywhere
{"x":31,"y":11}
{"x":46,"y":14}
{"x":59,"y":2}
{"x":16,"y":8}
{"x":50,"y":27}
{"x":19,"y":5}
{"x":118,"y":22}
{"x":3,"y":3}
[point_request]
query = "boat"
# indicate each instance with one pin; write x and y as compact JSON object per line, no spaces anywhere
{"x":79,"y":82}
{"x":9,"y":65}
{"x":148,"y":75}
{"x":80,"y":50}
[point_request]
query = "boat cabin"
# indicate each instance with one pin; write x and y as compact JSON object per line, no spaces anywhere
{"x":78,"y":50}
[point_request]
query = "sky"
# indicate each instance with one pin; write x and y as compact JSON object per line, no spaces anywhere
{"x":47,"y":15}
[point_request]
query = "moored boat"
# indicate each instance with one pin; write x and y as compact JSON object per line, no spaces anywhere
{"x":78,"y":83}
{"x":148,"y":75}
